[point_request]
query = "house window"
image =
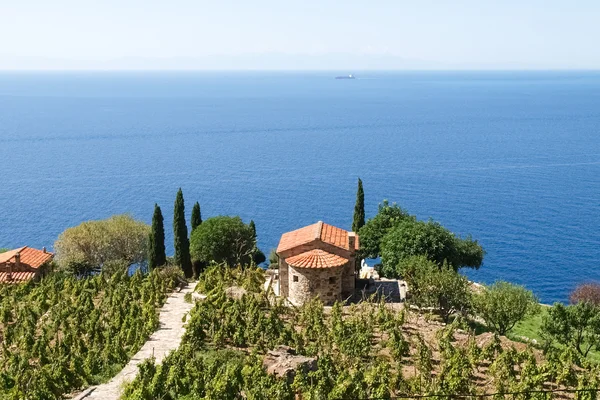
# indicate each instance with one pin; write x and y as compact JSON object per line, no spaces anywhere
{"x":295,"y":278}
{"x":332,"y":280}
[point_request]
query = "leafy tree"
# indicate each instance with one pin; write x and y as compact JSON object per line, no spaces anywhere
{"x":442,"y":288}
{"x":377,"y":227}
{"x":156,"y":246}
{"x":223,"y":239}
{"x":359,"y":208}
{"x":503,"y":304}
{"x":91,"y":244}
{"x":588,"y":292}
{"x":411,"y":237}
{"x":577,"y":326}
{"x":196,"y":216}
{"x":182,"y":243}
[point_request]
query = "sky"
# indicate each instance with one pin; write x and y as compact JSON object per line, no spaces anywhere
{"x":307,"y":34}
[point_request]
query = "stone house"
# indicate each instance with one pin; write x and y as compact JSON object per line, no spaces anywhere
{"x":319,"y":259}
{"x":23,"y":264}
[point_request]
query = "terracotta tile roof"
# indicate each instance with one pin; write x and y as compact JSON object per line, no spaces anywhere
{"x":30,"y":257}
{"x":301,"y":236}
{"x":17,"y":277}
{"x":319,"y":231}
{"x":7,"y":255}
{"x":316,"y":259}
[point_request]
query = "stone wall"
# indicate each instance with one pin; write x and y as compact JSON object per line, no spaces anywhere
{"x":283,"y":278}
{"x":306,"y":283}
{"x":349,"y":278}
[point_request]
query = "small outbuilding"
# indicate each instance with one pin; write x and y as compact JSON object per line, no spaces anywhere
{"x":23,"y":264}
{"x":317,"y":260}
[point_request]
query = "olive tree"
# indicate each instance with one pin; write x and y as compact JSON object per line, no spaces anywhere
{"x":92,"y":244}
{"x":503,"y":304}
{"x":223,"y":239}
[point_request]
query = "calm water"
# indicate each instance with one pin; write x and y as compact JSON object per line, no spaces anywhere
{"x":512,"y":158}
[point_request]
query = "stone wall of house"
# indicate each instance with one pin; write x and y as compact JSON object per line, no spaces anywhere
{"x":348,"y":274}
{"x":349,"y":278}
{"x":283,"y":278}
{"x":306,"y":283}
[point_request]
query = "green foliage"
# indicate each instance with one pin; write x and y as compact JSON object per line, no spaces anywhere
{"x":576,"y":326}
{"x":441,"y":288}
{"x":180,"y":233}
{"x":360,"y":352}
{"x":377,"y":227}
{"x":273,"y":259}
{"x":252,"y":227}
{"x":156,"y":243}
{"x":503,"y":304}
{"x":218,"y":276}
{"x":343,"y":342}
{"x":359,"y":208}
{"x":258,"y":257}
{"x":223,"y":239}
{"x":65,"y":332}
{"x":88,"y":246}
{"x":411,"y":238}
{"x":196,"y":216}
{"x":3,"y":250}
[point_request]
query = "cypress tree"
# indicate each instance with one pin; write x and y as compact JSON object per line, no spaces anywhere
{"x":258,"y":257}
{"x":196,"y":216}
{"x":359,"y":208}
{"x":156,"y":247}
{"x":182,"y":243}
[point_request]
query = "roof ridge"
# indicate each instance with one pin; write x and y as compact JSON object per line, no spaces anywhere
{"x":319,"y":230}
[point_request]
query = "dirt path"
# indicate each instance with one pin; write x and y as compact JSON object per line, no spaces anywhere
{"x":166,"y":338}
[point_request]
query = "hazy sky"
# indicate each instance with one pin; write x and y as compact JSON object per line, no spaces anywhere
{"x":286,"y":34}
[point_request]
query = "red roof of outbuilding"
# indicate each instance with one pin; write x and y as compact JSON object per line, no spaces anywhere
{"x":320,"y":231}
{"x":316,"y":259}
{"x":16,"y":277}
{"x":30,"y":257}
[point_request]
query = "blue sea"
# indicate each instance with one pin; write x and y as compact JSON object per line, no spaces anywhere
{"x":512,"y":158}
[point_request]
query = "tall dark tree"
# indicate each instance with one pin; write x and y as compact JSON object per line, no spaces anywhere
{"x":180,"y":232}
{"x":196,"y":216}
{"x":258,"y":257}
{"x":156,"y":247}
{"x":359,"y":208}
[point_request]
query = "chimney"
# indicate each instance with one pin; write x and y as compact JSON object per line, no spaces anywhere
{"x":352,"y":241}
{"x":44,"y":249}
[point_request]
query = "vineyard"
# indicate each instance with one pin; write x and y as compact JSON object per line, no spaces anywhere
{"x":367,"y":350}
{"x":65,"y":332}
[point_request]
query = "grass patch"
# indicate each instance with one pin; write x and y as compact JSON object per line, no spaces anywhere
{"x":530,"y":326}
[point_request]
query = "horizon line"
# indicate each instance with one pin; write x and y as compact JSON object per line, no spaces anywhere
{"x":303,"y":70}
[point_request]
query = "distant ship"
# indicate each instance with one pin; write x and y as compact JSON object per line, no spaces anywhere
{"x":345,"y":77}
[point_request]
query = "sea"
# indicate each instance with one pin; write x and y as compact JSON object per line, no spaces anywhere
{"x":511,"y":158}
